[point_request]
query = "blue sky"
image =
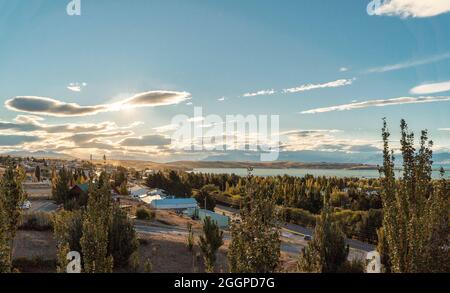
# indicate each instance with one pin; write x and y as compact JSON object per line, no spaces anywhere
{"x":213,"y":49}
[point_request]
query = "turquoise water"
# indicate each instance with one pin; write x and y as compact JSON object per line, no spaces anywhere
{"x":302,"y":172}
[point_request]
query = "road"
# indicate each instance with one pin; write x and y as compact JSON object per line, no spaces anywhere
{"x":290,"y":243}
{"x":302,"y":231}
{"x":43,"y":205}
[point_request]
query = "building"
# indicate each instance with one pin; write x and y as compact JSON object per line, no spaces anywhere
{"x":138,"y":191}
{"x":174,"y":204}
{"x":80,"y":189}
{"x":221,"y":220}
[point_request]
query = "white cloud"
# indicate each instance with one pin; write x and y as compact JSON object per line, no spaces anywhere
{"x":431,"y":88}
{"x":260,"y":93}
{"x":221,"y":99}
{"x":343,"y":69}
{"x":76,"y":87}
{"x":413,"y":8}
{"x":308,"y":87}
{"x":52,"y":107}
{"x":444,"y":129}
{"x":409,"y":64}
{"x":378,"y":103}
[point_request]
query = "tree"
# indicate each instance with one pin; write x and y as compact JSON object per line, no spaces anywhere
{"x":190,"y":238}
{"x":37,"y":173}
{"x":327,"y":252}
{"x":122,"y":237}
{"x":96,"y":223}
{"x":210,"y":242}
{"x":255,"y":245}
{"x":383,"y":250}
{"x":60,"y":186}
{"x":205,"y":197}
{"x":415,"y":211}
{"x":5,"y":255}
{"x":12,"y":197}
{"x":67,"y":231}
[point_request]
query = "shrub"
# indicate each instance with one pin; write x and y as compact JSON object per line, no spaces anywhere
{"x":36,"y":221}
{"x":145,"y":214}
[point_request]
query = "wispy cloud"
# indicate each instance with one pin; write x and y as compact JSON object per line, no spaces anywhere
{"x":260,"y":93}
{"x":311,"y":86}
{"x":409,"y":64}
{"x":431,"y":88}
{"x":76,"y":86}
{"x":52,"y":107}
{"x":444,"y":129}
{"x":378,"y":103}
{"x":343,"y":69}
{"x":413,"y":8}
{"x":221,"y":99}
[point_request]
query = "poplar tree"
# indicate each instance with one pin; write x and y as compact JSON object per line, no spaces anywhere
{"x":96,"y":224}
{"x":12,"y":197}
{"x":415,"y":210}
{"x":328,"y":251}
{"x":210,"y":242}
{"x":255,"y":245}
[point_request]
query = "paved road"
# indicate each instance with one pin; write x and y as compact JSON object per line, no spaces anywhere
{"x":47,"y":206}
{"x":290,"y":243}
{"x":288,"y":227}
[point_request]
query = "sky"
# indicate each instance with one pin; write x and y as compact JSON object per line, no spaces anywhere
{"x":113,"y":79}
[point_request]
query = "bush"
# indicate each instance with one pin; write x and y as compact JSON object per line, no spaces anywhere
{"x":299,"y":217}
{"x":122,"y":238}
{"x":34,"y":264}
{"x":145,"y":214}
{"x":36,"y":221}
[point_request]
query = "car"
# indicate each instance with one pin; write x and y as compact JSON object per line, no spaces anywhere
{"x":307,"y":238}
{"x":26,"y":205}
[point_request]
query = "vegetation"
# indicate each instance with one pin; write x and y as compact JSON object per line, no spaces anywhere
{"x":328,"y":251}
{"x":145,"y":214}
{"x":12,"y":197}
{"x":96,"y":223}
{"x":415,"y":209}
{"x":210,"y":242}
{"x":122,"y":238}
{"x":255,"y":245}
{"x":36,"y":221}
{"x":205,"y":197}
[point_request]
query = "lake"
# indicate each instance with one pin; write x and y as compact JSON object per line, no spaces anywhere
{"x":303,"y":172}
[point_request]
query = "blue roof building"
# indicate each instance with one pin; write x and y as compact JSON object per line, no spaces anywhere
{"x":221,"y":220}
{"x":174,"y":203}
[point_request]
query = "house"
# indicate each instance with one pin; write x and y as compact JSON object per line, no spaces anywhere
{"x":174,"y":203}
{"x":80,"y":189}
{"x":138,"y":191}
{"x":221,"y":220}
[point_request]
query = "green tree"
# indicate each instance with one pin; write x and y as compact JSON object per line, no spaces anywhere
{"x":122,"y":237}
{"x":60,"y":186}
{"x":96,"y":224}
{"x":255,"y":245}
{"x":37,"y":173}
{"x":205,"y":197}
{"x":328,"y":251}
{"x":415,"y":211}
{"x":5,"y":255}
{"x":12,"y":196}
{"x":210,"y":242}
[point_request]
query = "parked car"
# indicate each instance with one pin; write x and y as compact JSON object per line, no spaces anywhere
{"x":307,"y":238}
{"x":26,"y":205}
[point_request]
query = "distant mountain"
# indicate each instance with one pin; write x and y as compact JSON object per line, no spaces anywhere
{"x":39,"y":154}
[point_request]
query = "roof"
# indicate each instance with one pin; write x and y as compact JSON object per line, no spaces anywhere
{"x":174,"y":203}
{"x":83,"y":187}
